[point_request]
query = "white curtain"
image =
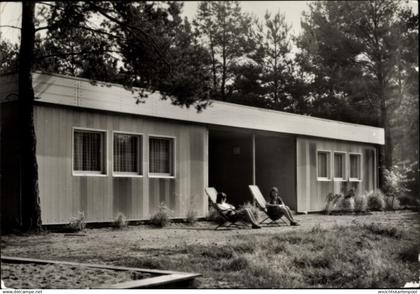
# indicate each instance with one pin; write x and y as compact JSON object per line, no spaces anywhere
{"x":338,"y":165}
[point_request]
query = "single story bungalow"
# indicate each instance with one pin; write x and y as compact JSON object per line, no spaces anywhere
{"x":102,"y":153}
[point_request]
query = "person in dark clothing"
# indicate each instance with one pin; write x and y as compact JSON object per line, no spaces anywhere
{"x":277,"y":206}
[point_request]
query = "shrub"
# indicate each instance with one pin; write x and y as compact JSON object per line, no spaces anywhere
{"x":161,"y":217}
{"x":395,"y":184}
{"x":360,"y":203}
{"x":376,"y":200}
{"x":252,"y":207}
{"x":120,"y":221}
{"x":333,"y":201}
{"x":392,"y":203}
{"x":191,"y":216}
{"x":77,"y":224}
{"x":347,"y":204}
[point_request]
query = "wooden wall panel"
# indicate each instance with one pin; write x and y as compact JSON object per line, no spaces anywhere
{"x":63,"y":194}
{"x":311,"y":193}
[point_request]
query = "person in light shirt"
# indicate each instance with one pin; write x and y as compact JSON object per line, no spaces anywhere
{"x":234,"y":214}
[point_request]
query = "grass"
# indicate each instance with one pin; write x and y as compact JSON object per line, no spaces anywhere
{"x":358,"y":256}
{"x":378,"y":250}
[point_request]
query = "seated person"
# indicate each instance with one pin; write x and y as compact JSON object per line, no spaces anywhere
{"x":233,"y":214}
{"x":278,"y":207}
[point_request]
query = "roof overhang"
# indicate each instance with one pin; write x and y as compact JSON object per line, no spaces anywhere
{"x":77,"y":92}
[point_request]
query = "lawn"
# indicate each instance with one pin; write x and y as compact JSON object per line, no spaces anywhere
{"x":379,"y":251}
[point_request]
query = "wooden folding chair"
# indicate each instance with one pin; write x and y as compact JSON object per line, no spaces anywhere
{"x":227,"y":222}
{"x":262,"y":204}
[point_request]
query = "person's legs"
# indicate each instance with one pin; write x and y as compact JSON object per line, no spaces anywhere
{"x":288,"y":214}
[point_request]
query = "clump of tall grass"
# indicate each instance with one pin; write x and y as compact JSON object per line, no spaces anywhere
{"x":162,"y":216}
{"x":77,"y":223}
{"x":392,"y":203}
{"x":253,"y":208}
{"x":191,"y":217}
{"x":333,"y":201}
{"x":376,"y":200}
{"x":120,"y":221}
{"x":360,"y":203}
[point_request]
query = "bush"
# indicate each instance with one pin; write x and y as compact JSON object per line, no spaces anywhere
{"x":396,"y":180}
{"x":161,"y":217}
{"x":191,"y":216}
{"x":376,"y":200}
{"x":120,"y":221}
{"x":333,"y":201}
{"x":360,"y":203}
{"x":392,"y":203}
{"x":77,"y":224}
{"x":254,"y":209}
{"x":347,"y":204}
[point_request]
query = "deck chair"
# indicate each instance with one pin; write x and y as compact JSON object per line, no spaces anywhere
{"x":262,"y":204}
{"x":212,"y":195}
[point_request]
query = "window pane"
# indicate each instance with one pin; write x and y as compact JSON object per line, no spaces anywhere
{"x":160,"y":155}
{"x":322,"y":165}
{"x":88,"y":151}
{"x":127,"y":153}
{"x":354,"y":166}
{"x":339,"y":165}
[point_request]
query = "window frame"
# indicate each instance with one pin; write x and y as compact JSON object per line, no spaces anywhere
{"x":344,"y":169}
{"x":78,"y":173}
{"x":172,"y":162}
{"x":139,"y":174}
{"x":360,"y":167}
{"x":328,"y":178}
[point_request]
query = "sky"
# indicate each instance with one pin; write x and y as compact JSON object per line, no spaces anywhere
{"x":10,"y":13}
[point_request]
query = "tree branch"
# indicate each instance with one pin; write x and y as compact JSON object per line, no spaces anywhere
{"x":74,"y":53}
{"x":133,"y":28}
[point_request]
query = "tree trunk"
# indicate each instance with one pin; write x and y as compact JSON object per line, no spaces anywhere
{"x":31,"y":211}
{"x":385,"y":152}
{"x":213,"y":61}
{"x":223,"y":91}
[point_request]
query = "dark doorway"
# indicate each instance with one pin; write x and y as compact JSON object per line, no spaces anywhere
{"x":230,"y":164}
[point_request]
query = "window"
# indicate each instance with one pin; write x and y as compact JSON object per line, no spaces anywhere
{"x":323,"y":163}
{"x":161,"y":156}
{"x":89,"y":152}
{"x":355,"y":167}
{"x":127,"y":154}
{"x":339,"y":166}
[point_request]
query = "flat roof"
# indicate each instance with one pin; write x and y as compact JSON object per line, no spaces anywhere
{"x":78,"y":92}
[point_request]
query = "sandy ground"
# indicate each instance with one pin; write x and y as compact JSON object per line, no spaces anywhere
{"x":121,"y":247}
{"x":49,"y":276}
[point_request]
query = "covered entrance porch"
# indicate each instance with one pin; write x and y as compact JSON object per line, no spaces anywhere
{"x":239,"y":157}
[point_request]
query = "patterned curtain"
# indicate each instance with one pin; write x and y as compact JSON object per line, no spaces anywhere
{"x":160,"y":155}
{"x":126,"y":153}
{"x":88,"y":151}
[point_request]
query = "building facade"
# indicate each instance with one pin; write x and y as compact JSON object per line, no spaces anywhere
{"x":101,"y":152}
